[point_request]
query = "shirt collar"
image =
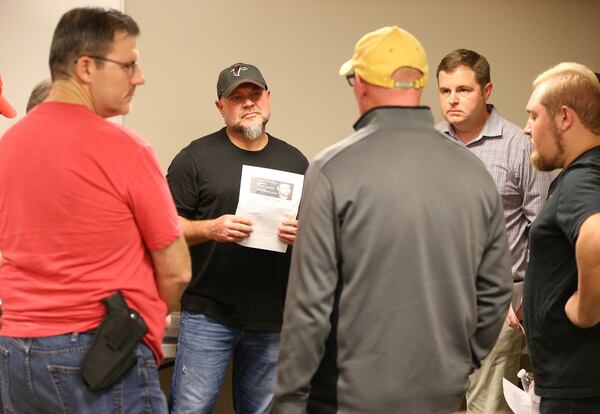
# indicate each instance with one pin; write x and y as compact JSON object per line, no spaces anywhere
{"x":407,"y":116}
{"x":491,"y":129}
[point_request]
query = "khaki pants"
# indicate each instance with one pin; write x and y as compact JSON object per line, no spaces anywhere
{"x":484,"y":394}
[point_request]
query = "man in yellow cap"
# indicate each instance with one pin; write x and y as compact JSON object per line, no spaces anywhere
{"x":394,"y":297}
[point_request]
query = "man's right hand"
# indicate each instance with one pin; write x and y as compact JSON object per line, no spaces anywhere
{"x":512,"y":319}
{"x":230,"y":228}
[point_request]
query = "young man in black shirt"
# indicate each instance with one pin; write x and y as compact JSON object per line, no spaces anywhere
{"x":562,"y":283}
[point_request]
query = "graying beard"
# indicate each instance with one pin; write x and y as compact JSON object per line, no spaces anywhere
{"x":254,"y":131}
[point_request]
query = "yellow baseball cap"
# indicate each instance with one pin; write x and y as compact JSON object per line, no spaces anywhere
{"x":378,"y":54}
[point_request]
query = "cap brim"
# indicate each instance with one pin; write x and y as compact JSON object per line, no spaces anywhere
{"x":6,"y":108}
{"x":234,"y":85}
{"x":346,"y":68}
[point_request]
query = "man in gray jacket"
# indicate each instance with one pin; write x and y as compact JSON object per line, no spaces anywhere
{"x":394,"y":297}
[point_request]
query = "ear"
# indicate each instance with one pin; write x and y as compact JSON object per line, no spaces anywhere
{"x":219,"y":106}
{"x":564,"y":119}
{"x":487,"y":90}
{"x":84,"y":69}
{"x":359,"y":86}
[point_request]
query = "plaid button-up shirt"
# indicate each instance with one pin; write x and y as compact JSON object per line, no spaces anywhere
{"x":505,"y":149}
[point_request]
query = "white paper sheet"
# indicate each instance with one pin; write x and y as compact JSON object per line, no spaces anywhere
{"x":518,"y":400}
{"x":268,"y":197}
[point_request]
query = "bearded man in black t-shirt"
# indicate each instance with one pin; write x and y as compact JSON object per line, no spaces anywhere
{"x":233,"y":307}
{"x":562,"y":284}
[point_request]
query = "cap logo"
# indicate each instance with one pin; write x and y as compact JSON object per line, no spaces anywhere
{"x":238,"y":69}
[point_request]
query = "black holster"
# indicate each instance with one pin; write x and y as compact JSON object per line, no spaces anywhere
{"x":112,"y":351}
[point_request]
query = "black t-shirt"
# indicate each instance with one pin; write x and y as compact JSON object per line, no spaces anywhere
{"x":565,"y":358}
{"x":237,"y":286}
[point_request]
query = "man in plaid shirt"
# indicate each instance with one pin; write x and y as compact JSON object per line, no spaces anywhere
{"x":464,"y":89}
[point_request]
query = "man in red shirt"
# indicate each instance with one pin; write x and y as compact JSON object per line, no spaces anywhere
{"x":85,"y":211}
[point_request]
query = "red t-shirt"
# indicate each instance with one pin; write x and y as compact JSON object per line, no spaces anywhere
{"x":82,"y":201}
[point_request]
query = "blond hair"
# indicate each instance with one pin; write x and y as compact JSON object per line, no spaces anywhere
{"x":575,"y":86}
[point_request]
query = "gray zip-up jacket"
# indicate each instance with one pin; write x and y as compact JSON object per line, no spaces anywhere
{"x":400,"y":276}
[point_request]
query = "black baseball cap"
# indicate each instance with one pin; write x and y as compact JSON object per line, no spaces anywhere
{"x":236,"y":74}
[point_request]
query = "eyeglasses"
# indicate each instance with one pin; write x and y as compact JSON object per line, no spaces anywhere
{"x":129,"y":67}
{"x":350,"y":78}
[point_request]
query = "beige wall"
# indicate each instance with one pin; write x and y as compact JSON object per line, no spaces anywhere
{"x":299,"y":46}
{"x":26,"y":28}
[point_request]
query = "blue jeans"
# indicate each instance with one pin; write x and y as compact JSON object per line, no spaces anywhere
{"x":42,"y":375}
{"x":203,"y":353}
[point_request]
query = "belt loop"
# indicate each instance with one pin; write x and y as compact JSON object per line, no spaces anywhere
{"x":74,"y":336}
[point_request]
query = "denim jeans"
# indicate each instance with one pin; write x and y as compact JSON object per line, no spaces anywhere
{"x":573,"y":406}
{"x":203,"y":353}
{"x":42,"y":375}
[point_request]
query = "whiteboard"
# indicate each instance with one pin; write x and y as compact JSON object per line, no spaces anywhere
{"x":26,"y":33}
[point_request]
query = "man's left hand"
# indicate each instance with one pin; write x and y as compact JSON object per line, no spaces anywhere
{"x":287,"y":231}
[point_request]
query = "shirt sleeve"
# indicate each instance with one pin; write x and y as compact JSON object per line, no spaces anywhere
{"x":579,"y":199}
{"x":151,"y":201}
{"x":494,"y":288}
{"x":182,"y":177}
{"x":310,"y":295}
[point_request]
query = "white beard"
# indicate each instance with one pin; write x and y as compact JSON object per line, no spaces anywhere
{"x":256,"y":128}
{"x":254,"y":131}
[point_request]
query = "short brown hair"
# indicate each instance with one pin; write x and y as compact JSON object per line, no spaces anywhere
{"x":573,"y":85}
{"x":86,"y":31}
{"x":469,"y":58}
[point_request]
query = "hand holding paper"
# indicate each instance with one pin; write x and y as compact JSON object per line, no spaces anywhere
{"x":230,"y":229}
{"x":270,"y":199}
{"x":287,"y":231}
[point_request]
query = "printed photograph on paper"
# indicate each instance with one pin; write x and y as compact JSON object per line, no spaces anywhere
{"x":268,"y":197}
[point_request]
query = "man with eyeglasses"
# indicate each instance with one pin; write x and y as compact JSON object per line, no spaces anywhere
{"x":464,"y":87}
{"x":233,"y":306}
{"x":85,"y":212}
{"x":394,"y":296}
